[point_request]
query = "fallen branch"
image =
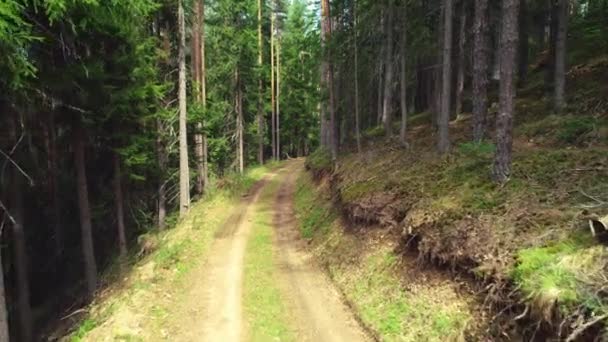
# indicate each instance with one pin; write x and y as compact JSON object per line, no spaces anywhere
{"x":576,"y":333}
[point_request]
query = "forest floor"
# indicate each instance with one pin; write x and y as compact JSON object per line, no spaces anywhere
{"x":250,"y":278}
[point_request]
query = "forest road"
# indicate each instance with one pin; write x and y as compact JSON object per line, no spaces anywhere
{"x":314,"y":307}
{"x":314,"y":303}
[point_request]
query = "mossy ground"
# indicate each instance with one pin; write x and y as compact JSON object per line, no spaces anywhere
{"x":532,"y":230}
{"x":374,"y":278}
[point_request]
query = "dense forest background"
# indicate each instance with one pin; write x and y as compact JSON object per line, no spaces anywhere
{"x":113,"y":114}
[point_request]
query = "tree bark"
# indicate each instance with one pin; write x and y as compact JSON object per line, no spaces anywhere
{"x":119,"y":202}
{"x":504,"y":119}
{"x":462,"y":41}
{"x":444,"y":118}
{"x":239,"y":121}
{"x":403,"y":81}
{"x":560,"y":56}
{"x":162,"y":160}
{"x":53,"y":189}
{"x":389,"y":66}
{"x":524,"y":45}
{"x":278,"y":100}
{"x":260,"y":86}
{"x":196,"y":89}
{"x":203,"y":85}
{"x":550,"y":65}
{"x":88,"y":248}
{"x":333,"y":128}
{"x":184,"y":170}
{"x":357,"y":104}
{"x":4,"y":333}
{"x":273,"y":85}
{"x":480,"y":70}
{"x":21,"y":260}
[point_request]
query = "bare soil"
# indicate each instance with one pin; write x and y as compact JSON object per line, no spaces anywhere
{"x":314,"y":303}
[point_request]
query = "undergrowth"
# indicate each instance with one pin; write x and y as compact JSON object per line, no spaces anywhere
{"x":140,"y":289}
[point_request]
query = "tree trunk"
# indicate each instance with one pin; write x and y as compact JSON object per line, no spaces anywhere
{"x":403,"y":80}
{"x":480,"y":70}
{"x":273,"y":86}
{"x":462,"y":41}
{"x":21,"y":260}
{"x":4,"y":333}
{"x":389,"y":66}
{"x":278,"y":100}
{"x":260,"y":86}
{"x":53,"y":189}
{"x":239,"y":121}
{"x":560,"y":56}
{"x":184,"y":170}
{"x":524,"y":44}
{"x":203,"y":85}
{"x":120,"y":216}
{"x":550,"y":68}
{"x":196,"y":90}
{"x":333,"y":136}
{"x":88,"y":248}
{"x":162,"y":159}
{"x":357,"y":110}
{"x":444,"y":118}
{"x":504,"y":119}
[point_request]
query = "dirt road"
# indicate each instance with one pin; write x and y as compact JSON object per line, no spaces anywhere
{"x":316,"y":306}
{"x":215,"y":308}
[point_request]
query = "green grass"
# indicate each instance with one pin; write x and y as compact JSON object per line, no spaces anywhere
{"x":564,"y":274}
{"x":263,"y":302}
{"x":372,"y":283}
{"x":179,"y":250}
{"x":319,"y":160}
{"x":316,"y":218}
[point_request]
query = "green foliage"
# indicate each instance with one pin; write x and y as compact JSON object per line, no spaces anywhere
{"x":476,"y":150}
{"x":315,"y":215}
{"x":564,"y":273}
{"x":319,"y":160}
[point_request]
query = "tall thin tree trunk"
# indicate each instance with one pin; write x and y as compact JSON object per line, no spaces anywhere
{"x":389,"y":66}
{"x":260,"y":86}
{"x":403,"y":80}
{"x":444,"y":118}
{"x":203,"y":85}
{"x":559,"y":101}
{"x":88,"y":248}
{"x":272,"y":86}
{"x":4,"y":333}
{"x":162,"y":159}
{"x":239,"y":121}
{"x":550,"y":68}
{"x":504,"y":119}
{"x":333,"y":128}
{"x":196,"y":90}
{"x":53,"y":189}
{"x":524,"y":44}
{"x":119,"y":202}
{"x":462,"y":41}
{"x":357,"y":110}
{"x":480,"y":70}
{"x":21,"y":260}
{"x":278,"y":99}
{"x":184,"y":169}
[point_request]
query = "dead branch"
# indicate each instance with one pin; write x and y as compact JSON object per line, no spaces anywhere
{"x":523,"y":314}
{"x":584,"y":327}
{"x":8,"y":214}
{"x":8,"y":158}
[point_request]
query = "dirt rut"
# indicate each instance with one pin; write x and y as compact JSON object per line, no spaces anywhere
{"x":315,"y":306}
{"x":217,"y":296}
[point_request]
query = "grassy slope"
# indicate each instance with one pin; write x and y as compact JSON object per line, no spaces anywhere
{"x":263,"y":303}
{"x":135,"y":305}
{"x":532,"y":231}
{"x":370,"y":275}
